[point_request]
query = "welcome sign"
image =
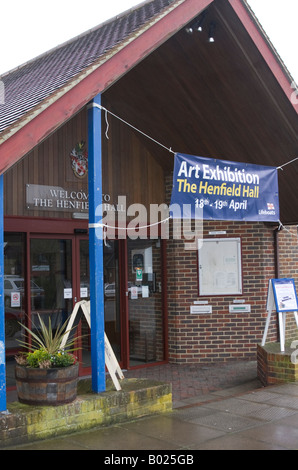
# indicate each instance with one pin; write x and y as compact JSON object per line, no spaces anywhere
{"x":223,"y":190}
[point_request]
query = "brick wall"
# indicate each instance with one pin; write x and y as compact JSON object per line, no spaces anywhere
{"x":288,"y":252}
{"x":222,"y":336}
{"x":275,"y":367}
{"x":287,"y":243}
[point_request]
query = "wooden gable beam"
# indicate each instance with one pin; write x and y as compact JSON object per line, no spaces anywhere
{"x":265,"y":50}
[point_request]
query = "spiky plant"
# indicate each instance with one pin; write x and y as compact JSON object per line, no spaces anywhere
{"x":46,"y":350}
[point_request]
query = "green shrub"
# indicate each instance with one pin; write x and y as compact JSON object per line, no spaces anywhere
{"x":42,"y":359}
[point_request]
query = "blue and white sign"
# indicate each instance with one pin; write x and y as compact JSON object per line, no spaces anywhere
{"x":285,"y":296}
{"x":223,"y":190}
{"x":282,"y":298}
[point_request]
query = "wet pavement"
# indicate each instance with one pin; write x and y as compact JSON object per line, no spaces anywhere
{"x":214,"y":408}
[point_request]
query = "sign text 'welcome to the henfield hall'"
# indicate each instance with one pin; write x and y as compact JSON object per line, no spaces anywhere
{"x":224,"y":190}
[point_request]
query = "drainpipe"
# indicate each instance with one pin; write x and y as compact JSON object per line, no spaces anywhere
{"x":2,"y":310}
{"x":96,"y":245}
{"x":276,"y":252}
{"x":277,"y":267}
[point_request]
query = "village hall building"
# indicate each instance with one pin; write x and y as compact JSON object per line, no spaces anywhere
{"x":93,"y":127}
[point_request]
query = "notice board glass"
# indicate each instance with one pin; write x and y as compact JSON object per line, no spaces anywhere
{"x":220,"y":270}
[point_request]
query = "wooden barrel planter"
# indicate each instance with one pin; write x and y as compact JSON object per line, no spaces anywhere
{"x":47,"y":387}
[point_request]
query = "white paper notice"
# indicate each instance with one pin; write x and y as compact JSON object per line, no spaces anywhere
{"x":84,"y":292}
{"x":134,"y":292}
{"x":68,"y":293}
{"x":15,"y":299}
{"x":285,"y":296}
{"x":145,"y":291}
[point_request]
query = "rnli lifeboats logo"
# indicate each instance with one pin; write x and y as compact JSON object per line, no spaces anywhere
{"x":79,"y":160}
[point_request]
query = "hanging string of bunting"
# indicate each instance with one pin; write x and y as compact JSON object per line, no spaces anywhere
{"x":213,"y":189}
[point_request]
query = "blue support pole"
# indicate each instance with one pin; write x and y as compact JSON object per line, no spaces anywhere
{"x":2,"y":311}
{"x":96,"y":245}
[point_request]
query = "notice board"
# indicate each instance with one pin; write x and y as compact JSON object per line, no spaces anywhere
{"x":220,"y":269}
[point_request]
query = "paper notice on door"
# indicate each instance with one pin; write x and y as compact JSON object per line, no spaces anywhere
{"x":15,"y":299}
{"x":145,"y":291}
{"x":68,"y":293}
{"x":84,"y":292}
{"x":134,"y":292}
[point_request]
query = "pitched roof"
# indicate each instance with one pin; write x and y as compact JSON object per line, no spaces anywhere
{"x":28,"y":85}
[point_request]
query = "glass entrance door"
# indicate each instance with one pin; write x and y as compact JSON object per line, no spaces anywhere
{"x":59,"y":268}
{"x":133,"y":302}
{"x":83,"y":293}
{"x":111,"y":298}
{"x":145,"y":304}
{"x":48,"y":274}
{"x":51,"y":278}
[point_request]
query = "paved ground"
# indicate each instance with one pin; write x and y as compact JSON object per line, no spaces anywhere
{"x":215,"y":408}
{"x":192,"y":381}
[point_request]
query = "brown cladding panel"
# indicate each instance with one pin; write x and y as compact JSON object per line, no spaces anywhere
{"x":129,"y":169}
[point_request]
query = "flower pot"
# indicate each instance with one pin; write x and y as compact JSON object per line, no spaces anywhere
{"x":48,"y":387}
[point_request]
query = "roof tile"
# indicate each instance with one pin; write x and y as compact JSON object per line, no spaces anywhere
{"x":30,"y":84}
